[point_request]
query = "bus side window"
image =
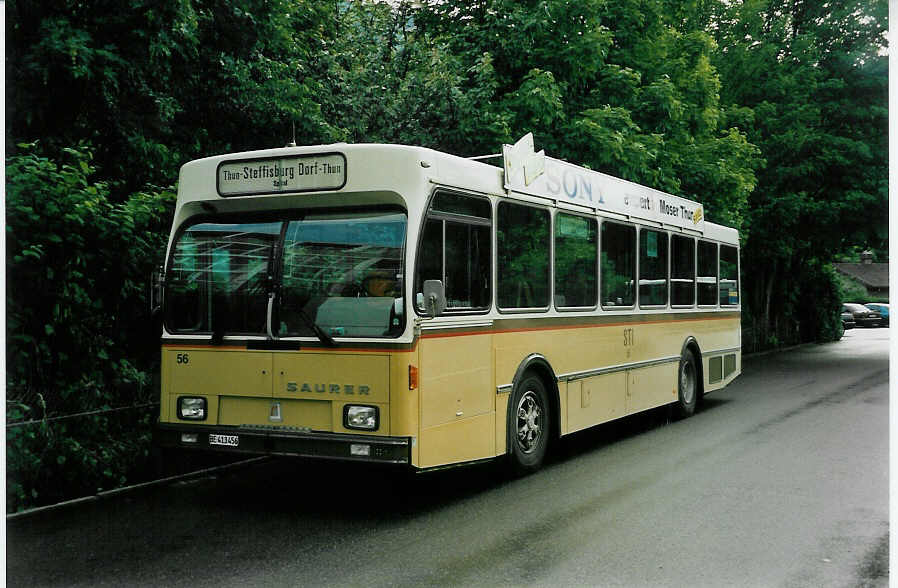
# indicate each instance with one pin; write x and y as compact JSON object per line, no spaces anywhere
{"x":729,"y":276}
{"x":707,"y":273}
{"x":682,"y":271}
{"x":456,"y":249}
{"x":430,"y":255}
{"x":618,"y":265}
{"x":522,"y":243}
{"x":575,"y":261}
{"x":652,"y":268}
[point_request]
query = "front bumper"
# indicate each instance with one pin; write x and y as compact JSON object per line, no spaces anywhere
{"x":276,"y":441}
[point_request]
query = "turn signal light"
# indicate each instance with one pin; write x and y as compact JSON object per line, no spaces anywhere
{"x":412,"y":377}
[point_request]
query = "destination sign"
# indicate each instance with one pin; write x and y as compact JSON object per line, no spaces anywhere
{"x":534,"y":173}
{"x":299,"y":173}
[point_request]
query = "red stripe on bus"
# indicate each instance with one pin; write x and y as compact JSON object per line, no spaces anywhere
{"x":571,"y":327}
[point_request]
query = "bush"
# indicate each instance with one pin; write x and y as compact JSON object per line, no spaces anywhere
{"x":851,"y":290}
{"x":48,"y":462}
{"x":79,"y":335}
{"x":820,"y":313}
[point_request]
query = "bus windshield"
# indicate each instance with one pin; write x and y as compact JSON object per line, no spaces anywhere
{"x":338,"y":272}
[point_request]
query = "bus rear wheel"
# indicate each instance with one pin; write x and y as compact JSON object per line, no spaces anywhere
{"x":687,"y":385}
{"x":528,"y":424}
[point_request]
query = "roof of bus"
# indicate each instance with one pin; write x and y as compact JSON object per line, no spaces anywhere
{"x":298,"y":173}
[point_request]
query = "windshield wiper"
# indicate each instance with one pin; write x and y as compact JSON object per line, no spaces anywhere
{"x":321,"y":333}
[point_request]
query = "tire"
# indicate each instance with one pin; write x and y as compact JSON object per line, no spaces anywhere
{"x":688,"y":385}
{"x":529,"y":423}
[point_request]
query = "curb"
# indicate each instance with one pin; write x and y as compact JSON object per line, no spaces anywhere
{"x":133,"y":488}
{"x":777,"y":350}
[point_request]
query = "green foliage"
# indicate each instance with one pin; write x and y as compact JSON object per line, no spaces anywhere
{"x":157,"y":83}
{"x":78,"y":329}
{"x":49,"y":462}
{"x":609,"y":85}
{"x":392,"y":82}
{"x":76,"y":271}
{"x":851,"y":290}
{"x":810,"y":79}
{"x":820,"y":305}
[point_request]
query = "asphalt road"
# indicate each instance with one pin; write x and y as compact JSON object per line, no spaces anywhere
{"x":780,"y":480}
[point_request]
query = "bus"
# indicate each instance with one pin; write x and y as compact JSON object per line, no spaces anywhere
{"x":396,"y":304}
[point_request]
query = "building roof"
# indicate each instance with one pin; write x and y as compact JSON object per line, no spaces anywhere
{"x":871,"y":275}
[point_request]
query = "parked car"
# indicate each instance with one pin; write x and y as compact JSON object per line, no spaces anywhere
{"x":847,"y":320}
{"x":863,"y":316}
{"x":882,"y":309}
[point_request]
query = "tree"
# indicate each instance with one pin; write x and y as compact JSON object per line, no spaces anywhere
{"x":394,"y":82}
{"x":811,"y":79}
{"x":154,"y":84}
{"x":611,"y":85}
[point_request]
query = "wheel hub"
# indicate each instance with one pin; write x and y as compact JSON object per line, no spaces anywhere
{"x":529,"y":422}
{"x":687,"y":382}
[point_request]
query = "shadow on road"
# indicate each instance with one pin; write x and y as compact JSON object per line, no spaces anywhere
{"x":301,"y":488}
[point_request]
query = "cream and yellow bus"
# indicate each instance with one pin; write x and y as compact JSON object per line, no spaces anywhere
{"x":395,"y":304}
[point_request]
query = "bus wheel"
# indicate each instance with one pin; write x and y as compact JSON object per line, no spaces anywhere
{"x":529,"y":424}
{"x":687,"y":385}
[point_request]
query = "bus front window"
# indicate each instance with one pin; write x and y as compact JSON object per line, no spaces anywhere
{"x":217,"y":279}
{"x":340,"y":273}
{"x":343,"y":272}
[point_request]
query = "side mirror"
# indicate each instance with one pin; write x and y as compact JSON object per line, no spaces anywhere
{"x":157,"y":281}
{"x":434,"y":297}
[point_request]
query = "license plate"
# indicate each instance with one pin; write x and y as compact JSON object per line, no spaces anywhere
{"x":228,"y":440}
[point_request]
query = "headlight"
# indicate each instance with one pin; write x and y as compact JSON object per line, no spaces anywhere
{"x":360,"y":417}
{"x":192,"y":408}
